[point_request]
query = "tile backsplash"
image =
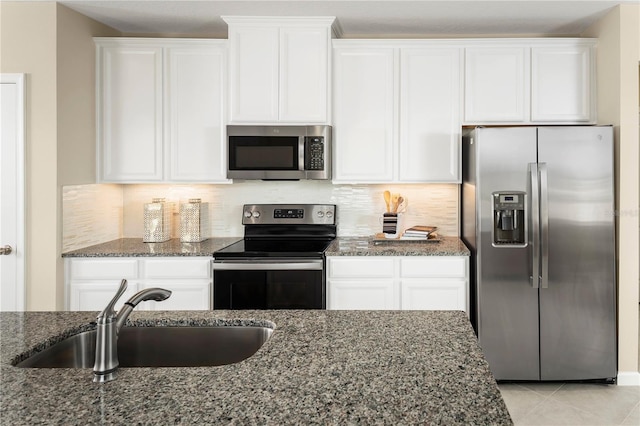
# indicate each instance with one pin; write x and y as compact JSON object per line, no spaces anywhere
{"x":91,"y":214}
{"x":99,"y":213}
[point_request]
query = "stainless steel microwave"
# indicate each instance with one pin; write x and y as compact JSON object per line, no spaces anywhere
{"x":279,"y":152}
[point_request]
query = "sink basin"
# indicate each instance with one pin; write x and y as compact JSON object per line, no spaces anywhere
{"x":158,"y":347}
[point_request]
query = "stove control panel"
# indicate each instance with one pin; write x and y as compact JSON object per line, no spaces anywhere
{"x":269,"y":214}
{"x":288,"y":213}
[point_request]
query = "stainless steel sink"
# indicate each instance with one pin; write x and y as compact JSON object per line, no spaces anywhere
{"x":158,"y":347}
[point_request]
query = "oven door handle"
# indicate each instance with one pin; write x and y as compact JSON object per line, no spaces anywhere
{"x":307,"y":265}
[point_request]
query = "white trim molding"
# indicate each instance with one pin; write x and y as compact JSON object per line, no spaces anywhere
{"x":20,"y":250}
{"x":628,"y":378}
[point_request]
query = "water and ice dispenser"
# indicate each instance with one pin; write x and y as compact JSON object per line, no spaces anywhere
{"x":508,"y":219}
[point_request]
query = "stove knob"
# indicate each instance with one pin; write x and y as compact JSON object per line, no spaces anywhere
{"x":247,"y":214}
{"x":320,"y":214}
{"x":329,"y":214}
{"x":256,"y":214}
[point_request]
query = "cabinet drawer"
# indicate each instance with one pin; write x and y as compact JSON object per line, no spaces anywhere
{"x":103,"y":269}
{"x":433,"y":267}
{"x":177,"y":268}
{"x":348,"y":267}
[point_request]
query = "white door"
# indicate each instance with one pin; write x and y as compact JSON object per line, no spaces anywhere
{"x":12,"y":286}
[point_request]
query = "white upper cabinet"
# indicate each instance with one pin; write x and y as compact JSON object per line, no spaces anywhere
{"x":430,"y":131}
{"x":253,"y":73}
{"x":196,"y":115}
{"x":496,"y":79}
{"x":396,"y":111}
{"x":364,"y":114}
{"x":530,"y":81}
{"x":279,"y":69}
{"x":130,"y":142}
{"x":160,"y":108}
{"x":562,"y":83}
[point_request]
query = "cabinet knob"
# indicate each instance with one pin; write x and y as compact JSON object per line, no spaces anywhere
{"x":6,"y":250}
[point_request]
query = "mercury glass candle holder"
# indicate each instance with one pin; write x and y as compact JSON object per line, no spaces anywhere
{"x":194,"y":221}
{"x":157,"y":221}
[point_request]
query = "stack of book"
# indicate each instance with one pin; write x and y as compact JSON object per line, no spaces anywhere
{"x":419,"y":232}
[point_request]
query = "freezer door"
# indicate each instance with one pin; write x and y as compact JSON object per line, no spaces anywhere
{"x":507,"y":300}
{"x":577,"y":294}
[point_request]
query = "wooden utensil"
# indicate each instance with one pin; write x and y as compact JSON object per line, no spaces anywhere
{"x":387,"y":199}
{"x":394,"y":203}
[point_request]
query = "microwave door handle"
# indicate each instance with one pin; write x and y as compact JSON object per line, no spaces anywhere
{"x":301,"y":152}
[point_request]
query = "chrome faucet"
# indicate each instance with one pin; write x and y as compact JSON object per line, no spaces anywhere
{"x":108,"y":326}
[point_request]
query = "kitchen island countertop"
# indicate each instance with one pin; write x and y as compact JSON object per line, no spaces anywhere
{"x":318,"y":367}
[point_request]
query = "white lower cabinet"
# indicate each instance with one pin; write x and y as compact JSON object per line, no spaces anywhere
{"x":94,"y":296}
{"x":398,"y":282}
{"x":91,"y":283}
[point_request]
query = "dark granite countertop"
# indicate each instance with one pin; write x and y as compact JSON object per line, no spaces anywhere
{"x":134,"y":247}
{"x":368,"y":246}
{"x":319,"y":367}
{"x":341,"y":246}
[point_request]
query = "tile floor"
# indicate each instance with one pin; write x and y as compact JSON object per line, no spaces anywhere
{"x":572,"y":404}
{"x":582,"y":404}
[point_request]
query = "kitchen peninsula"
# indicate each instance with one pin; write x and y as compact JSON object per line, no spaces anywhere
{"x":318,"y":367}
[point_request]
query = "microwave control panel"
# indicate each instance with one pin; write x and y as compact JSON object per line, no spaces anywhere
{"x":314,"y":153}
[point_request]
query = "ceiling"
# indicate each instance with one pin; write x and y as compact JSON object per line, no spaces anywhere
{"x":356,"y":18}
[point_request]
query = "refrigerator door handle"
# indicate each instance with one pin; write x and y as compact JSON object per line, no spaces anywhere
{"x":544,"y":227}
{"x":534,"y":213}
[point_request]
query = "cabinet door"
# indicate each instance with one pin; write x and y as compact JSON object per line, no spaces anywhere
{"x":430,"y":124}
{"x":186,"y":295}
{"x":196,"y":267}
{"x":304,"y":74}
{"x":360,"y":267}
{"x":195,"y":121}
{"x":433,"y":294}
{"x":496,"y":85}
{"x":254,"y":73}
{"x":561,"y":84}
{"x":130,"y":113}
{"x":364,"y":114}
{"x":95,"y":295}
{"x":361,"y":295}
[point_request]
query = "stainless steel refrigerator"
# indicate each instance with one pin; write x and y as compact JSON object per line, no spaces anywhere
{"x":538,"y":216}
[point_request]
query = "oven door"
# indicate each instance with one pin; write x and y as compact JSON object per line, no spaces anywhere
{"x":269,"y":284}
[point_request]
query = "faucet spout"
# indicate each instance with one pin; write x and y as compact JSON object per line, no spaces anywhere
{"x":157,"y":294}
{"x":109,"y":325}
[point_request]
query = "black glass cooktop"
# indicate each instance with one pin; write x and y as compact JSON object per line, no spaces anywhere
{"x":274,"y":248}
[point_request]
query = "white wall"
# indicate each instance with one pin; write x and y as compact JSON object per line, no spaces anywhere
{"x":617,"y":73}
{"x":34,"y":24}
{"x":32,"y":41}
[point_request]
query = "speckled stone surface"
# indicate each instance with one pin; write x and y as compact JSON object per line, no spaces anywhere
{"x":318,"y":367}
{"x":367,"y":246}
{"x":134,"y":247}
